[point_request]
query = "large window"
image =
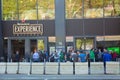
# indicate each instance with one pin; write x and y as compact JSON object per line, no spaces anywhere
{"x":9,"y":10}
{"x":81,"y":43}
{"x":28,"y":9}
{"x":92,"y":8}
{"x":73,"y":9}
{"x":46,"y":9}
{"x":111,"y":8}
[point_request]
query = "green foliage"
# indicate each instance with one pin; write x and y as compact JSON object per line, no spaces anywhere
{"x":11,"y":8}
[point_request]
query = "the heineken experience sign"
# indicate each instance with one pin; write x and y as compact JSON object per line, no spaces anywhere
{"x":26,"y":28}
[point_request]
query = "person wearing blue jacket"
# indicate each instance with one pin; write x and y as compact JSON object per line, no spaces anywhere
{"x":106,"y":56}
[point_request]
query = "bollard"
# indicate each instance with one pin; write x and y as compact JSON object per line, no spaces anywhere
{"x":89,"y":69}
{"x":18,"y":68}
{"x":30,"y":66}
{"x":104,"y":64}
{"x":73,"y":67}
{"x":44,"y":71}
{"x":59,"y":67}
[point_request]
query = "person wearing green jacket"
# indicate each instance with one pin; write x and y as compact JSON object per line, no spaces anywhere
{"x":92,"y":55}
{"x":61,"y":56}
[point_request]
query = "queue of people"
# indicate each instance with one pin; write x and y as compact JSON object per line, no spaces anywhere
{"x":95,"y":55}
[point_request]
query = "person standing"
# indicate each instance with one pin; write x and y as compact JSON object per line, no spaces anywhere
{"x":67,"y":55}
{"x":74,"y":56}
{"x":100,"y":55}
{"x":36,"y":57}
{"x":92,"y":55}
{"x":106,"y":56}
{"x":82,"y":57}
{"x":114,"y":56}
{"x":17,"y":56}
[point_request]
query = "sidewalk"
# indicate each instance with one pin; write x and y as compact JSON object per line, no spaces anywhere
{"x":58,"y":77}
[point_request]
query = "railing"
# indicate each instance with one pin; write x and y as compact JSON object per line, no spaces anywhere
{"x":60,"y":67}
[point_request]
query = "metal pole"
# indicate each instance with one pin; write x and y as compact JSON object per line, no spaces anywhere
{"x":104,"y":64}
{"x":59,"y":67}
{"x":119,"y":64}
{"x":6,"y":67}
{"x":44,"y":71}
{"x":30,"y":65}
{"x":18,"y":68}
{"x":73,"y":67}
{"x":89,"y":69}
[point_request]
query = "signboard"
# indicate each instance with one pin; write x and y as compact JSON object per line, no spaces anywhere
{"x":26,"y":28}
{"x":40,"y":44}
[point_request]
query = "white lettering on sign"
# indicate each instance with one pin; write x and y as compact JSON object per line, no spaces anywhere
{"x":28,"y":29}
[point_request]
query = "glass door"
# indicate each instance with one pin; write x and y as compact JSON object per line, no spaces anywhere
{"x":38,"y":44}
{"x":81,"y":44}
{"x":18,"y":46}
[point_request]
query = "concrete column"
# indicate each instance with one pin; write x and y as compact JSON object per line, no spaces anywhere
{"x":60,"y":32}
{"x":9,"y":51}
{"x":1,"y":34}
{"x":27,"y":49}
{"x":45,"y":43}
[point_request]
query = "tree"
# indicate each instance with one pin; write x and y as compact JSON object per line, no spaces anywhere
{"x":22,"y":7}
{"x":73,"y":8}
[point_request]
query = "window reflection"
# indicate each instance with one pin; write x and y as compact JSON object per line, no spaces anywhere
{"x":46,"y":9}
{"x":28,"y":9}
{"x":9,"y":10}
{"x":73,"y":8}
{"x":112,"y":8}
{"x":92,"y":8}
{"x":79,"y":42}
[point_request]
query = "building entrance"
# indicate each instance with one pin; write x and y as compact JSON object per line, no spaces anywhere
{"x":18,"y":46}
{"x":25,"y":46}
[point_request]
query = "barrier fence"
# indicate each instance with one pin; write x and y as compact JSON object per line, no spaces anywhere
{"x":60,"y":67}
